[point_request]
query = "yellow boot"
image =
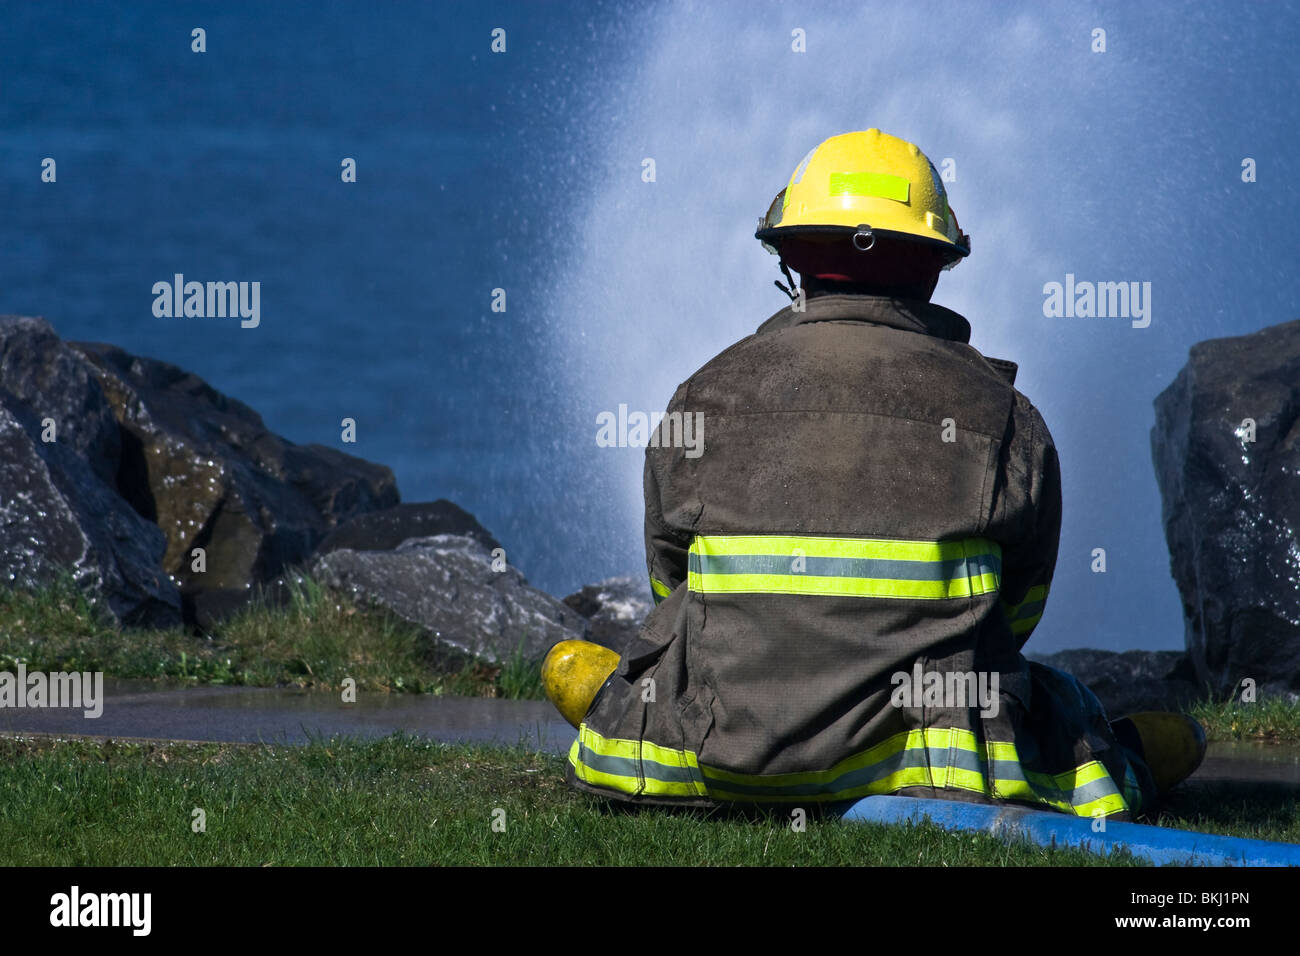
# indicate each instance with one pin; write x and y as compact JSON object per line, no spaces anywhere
{"x":1173,"y":745}
{"x":572,"y":673}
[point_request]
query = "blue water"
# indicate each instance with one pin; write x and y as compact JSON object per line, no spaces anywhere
{"x":522,"y":171}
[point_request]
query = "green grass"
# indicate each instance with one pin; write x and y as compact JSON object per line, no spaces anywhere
{"x":316,"y":641}
{"x":1255,"y":809}
{"x":1267,"y":719}
{"x":405,"y":800}
{"x":402,"y":801}
{"x":321,"y":637}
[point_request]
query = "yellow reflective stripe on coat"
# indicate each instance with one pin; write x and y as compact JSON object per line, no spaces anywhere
{"x":853,"y":567}
{"x":942,"y":758}
{"x":635,"y":766}
{"x":1024,"y":616}
{"x":660,"y":589}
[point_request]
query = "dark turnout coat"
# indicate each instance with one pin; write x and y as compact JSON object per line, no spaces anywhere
{"x":867,"y":538}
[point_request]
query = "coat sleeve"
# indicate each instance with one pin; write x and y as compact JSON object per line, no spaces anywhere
{"x":1027,"y":569}
{"x":666,"y":550}
{"x":667,"y":547}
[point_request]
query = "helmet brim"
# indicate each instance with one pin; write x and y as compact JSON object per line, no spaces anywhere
{"x":774,"y":234}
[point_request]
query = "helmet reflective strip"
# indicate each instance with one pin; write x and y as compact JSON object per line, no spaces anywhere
{"x":798,"y":175}
{"x":875,"y":185}
{"x":803,"y":165}
{"x":939,"y":189}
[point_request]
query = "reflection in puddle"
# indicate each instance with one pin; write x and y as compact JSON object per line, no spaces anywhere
{"x":139,"y":709}
{"x":1250,"y":761}
{"x":286,"y":715}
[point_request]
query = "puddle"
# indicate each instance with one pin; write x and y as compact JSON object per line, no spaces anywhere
{"x":1249,"y":761}
{"x":277,"y":715}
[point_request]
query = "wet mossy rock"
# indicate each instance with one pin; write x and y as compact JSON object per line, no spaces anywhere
{"x":55,"y":513}
{"x":52,"y":381}
{"x":450,"y":587}
{"x":1231,"y":507}
{"x":1130,"y":681}
{"x":616,"y":608}
{"x":60,"y":452}
{"x":149,"y":462}
{"x":385,"y":530}
{"x":207,"y":470}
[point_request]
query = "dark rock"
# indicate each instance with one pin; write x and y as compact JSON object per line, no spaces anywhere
{"x":52,"y":381}
{"x":385,"y":530}
{"x":615,"y":607}
{"x":142,"y":445}
{"x":1130,"y":681}
{"x":206,"y":469}
{"x":1231,"y":507}
{"x":56,"y":513}
{"x":446,"y":584}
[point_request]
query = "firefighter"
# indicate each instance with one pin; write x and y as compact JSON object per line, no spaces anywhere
{"x":875,"y":503}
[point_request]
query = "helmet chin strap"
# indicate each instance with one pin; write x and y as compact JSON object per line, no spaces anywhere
{"x":792,"y":289}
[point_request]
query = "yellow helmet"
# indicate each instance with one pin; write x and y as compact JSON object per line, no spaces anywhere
{"x":866,"y":184}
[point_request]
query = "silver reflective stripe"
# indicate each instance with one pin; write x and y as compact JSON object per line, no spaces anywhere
{"x":631,"y":767}
{"x":973,"y":566}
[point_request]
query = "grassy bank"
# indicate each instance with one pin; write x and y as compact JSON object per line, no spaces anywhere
{"x":1271,"y":719}
{"x":408,"y":801}
{"x":316,"y":640}
{"x":397,"y":801}
{"x":320,"y":637}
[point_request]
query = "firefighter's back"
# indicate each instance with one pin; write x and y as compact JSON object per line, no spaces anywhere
{"x":840,"y":516}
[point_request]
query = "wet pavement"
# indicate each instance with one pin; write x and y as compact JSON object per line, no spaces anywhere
{"x":1245,"y":761}
{"x":276,"y":715}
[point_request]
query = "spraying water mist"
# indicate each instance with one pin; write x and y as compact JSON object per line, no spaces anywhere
{"x":1037,"y":134}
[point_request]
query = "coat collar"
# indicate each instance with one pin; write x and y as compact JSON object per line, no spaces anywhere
{"x":911,"y":315}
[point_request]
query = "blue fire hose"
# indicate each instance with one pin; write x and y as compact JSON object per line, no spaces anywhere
{"x":1161,"y":845}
